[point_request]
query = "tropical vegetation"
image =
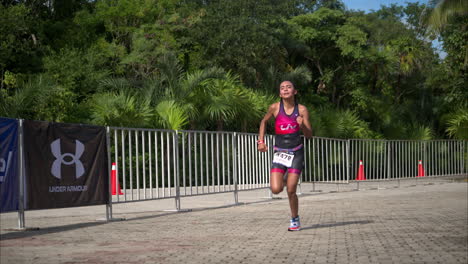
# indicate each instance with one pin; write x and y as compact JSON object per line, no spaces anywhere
{"x":216,"y":64}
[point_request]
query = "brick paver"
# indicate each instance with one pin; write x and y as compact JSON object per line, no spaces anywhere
{"x":411,"y":224}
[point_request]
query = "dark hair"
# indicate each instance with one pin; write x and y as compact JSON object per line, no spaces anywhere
{"x":288,"y":81}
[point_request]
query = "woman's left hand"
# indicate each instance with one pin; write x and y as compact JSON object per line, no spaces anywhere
{"x":300,"y":121}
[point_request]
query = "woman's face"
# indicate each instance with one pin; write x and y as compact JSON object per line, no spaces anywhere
{"x":287,"y":90}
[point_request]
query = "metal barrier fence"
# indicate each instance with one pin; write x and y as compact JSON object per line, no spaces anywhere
{"x":253,"y":167}
{"x":156,"y":164}
{"x":334,"y":160}
{"x":145,"y":163}
{"x":326,"y":160}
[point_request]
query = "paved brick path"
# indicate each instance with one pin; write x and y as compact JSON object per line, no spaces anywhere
{"x":411,"y":224}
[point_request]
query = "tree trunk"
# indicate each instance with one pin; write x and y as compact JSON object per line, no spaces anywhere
{"x":244,"y":126}
{"x":1,"y":80}
{"x":333,"y":96}
{"x":397,"y":88}
{"x":317,"y":64}
{"x":376,"y":76}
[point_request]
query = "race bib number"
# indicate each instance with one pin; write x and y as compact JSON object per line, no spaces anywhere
{"x":284,"y":159}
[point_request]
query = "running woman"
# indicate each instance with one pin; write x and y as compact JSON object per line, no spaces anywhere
{"x":288,"y":161}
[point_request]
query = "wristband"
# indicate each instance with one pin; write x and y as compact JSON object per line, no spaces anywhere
{"x":260,"y":142}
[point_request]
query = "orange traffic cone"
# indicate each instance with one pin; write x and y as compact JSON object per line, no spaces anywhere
{"x":360,"y":176}
{"x":114,"y":180}
{"x":420,"y":169}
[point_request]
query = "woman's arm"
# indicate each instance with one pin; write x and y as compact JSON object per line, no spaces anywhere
{"x":261,"y":133}
{"x":303,"y":120}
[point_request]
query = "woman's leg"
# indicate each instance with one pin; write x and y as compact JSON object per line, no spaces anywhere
{"x":293,"y":179}
{"x":276,"y":181}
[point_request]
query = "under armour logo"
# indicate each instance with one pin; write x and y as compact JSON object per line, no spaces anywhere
{"x":289,"y":126}
{"x":4,"y":165}
{"x":75,"y":159}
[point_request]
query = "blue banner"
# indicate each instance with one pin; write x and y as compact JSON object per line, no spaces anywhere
{"x":9,"y":173}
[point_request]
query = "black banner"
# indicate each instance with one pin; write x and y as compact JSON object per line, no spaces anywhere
{"x":66,"y":165}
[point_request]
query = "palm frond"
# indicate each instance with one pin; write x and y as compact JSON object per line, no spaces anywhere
{"x":418,"y":132}
{"x":457,"y":124}
{"x":170,"y":72}
{"x":120,"y":109}
{"x":194,"y":80}
{"x":300,"y":76}
{"x":328,"y":122}
{"x":171,"y":115}
{"x":113,"y":85}
{"x":440,"y":12}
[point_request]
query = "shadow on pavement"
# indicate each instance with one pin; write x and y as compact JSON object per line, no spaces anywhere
{"x":47,"y":230}
{"x":55,"y":229}
{"x":337,"y":224}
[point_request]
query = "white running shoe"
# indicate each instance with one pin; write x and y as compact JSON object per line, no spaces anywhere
{"x":295,"y":224}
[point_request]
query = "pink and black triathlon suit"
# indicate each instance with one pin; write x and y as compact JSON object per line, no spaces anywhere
{"x":288,"y":140}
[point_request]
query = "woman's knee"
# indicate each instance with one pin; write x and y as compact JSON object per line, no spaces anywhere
{"x":276,"y":189}
{"x":291,"y":192}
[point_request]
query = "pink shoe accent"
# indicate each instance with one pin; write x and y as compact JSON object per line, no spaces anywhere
{"x":296,"y":228}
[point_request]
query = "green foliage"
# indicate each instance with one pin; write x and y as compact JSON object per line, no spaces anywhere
{"x":318,"y":27}
{"x":19,"y":45}
{"x":418,"y":132}
{"x":240,"y":36}
{"x":76,"y":70}
{"x":457,"y":124}
{"x":220,"y":100}
{"x":120,"y":109}
{"x":38,"y":98}
{"x":9,"y":79}
{"x":216,"y":65}
{"x":333,"y":123}
{"x":301,"y":77}
{"x":443,"y":10}
{"x":351,"y":40}
{"x":122,"y":17}
{"x":454,"y":37}
{"x":171,"y":115}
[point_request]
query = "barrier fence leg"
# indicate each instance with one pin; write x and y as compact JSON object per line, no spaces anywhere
{"x":21,"y":223}
{"x":177,"y":202}
{"x":234,"y":172}
{"x":175,"y":150}
{"x":108,"y":211}
{"x":109,"y":216}
{"x":177,"y":172}
{"x":21,"y":182}
{"x":109,"y":204}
